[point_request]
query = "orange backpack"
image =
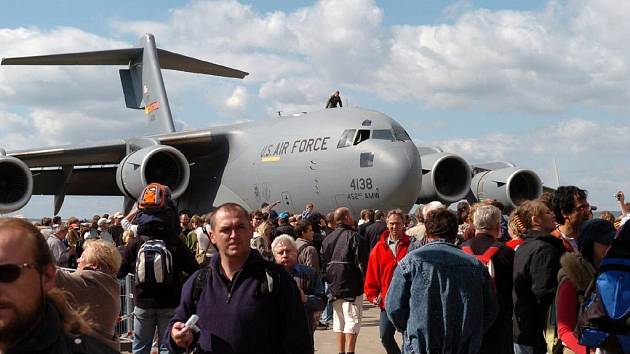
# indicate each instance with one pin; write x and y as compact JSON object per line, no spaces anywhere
{"x":153,"y":197}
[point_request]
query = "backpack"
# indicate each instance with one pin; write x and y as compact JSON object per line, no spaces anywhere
{"x":154,"y":264}
{"x":153,"y":197}
{"x":604,"y":317}
{"x":485,"y":258}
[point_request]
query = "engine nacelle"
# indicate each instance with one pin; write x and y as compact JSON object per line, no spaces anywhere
{"x":161,"y":163}
{"x":16,"y":184}
{"x":510,"y":186}
{"x":445,"y":177}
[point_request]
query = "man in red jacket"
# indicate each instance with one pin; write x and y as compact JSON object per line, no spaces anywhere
{"x":388,"y":251}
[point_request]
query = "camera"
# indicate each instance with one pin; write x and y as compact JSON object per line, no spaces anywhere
{"x":618,"y":195}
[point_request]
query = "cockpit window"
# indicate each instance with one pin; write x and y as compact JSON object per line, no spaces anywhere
{"x":362,"y":136}
{"x":399,"y":133}
{"x":382,"y":134}
{"x":346,"y":138}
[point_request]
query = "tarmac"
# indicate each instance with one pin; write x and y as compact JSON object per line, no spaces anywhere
{"x":368,"y":341}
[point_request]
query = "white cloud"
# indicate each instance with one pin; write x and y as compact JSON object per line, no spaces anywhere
{"x":238,"y":100}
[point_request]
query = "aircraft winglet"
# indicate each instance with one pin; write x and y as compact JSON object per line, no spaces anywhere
{"x":142,"y":82}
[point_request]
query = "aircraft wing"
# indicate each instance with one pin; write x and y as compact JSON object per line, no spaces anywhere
{"x":90,"y":169}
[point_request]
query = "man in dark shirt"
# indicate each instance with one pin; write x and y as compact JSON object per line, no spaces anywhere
{"x":374,"y":231}
{"x":334,"y":100}
{"x":284,"y":228}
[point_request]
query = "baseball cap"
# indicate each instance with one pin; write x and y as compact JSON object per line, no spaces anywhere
{"x":102,"y":221}
{"x":283,"y":215}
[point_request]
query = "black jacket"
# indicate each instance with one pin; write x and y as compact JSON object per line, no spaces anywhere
{"x":48,"y":337}
{"x":498,"y":338}
{"x":341,"y":252}
{"x":373,"y":232}
{"x":536,"y":266}
{"x":183,"y":262}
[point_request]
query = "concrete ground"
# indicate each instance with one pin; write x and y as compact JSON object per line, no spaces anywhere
{"x":368,"y":341}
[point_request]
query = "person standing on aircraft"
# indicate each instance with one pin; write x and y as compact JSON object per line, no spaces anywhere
{"x":441,"y":298}
{"x":571,"y":210}
{"x":390,"y":249}
{"x":334,"y":100}
{"x":341,"y":253}
{"x":244,"y":303}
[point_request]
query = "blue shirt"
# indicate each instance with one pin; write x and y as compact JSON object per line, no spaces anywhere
{"x":441,"y":299}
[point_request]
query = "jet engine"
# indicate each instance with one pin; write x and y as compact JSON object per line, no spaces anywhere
{"x":445,"y":176}
{"x":161,"y":163}
{"x":510,"y":186}
{"x":16,"y":184}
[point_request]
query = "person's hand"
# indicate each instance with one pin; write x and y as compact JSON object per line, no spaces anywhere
{"x":182,"y":335}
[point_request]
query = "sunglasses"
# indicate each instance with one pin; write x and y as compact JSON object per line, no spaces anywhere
{"x":10,"y":272}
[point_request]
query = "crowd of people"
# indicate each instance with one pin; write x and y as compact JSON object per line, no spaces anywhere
{"x":233,"y":281}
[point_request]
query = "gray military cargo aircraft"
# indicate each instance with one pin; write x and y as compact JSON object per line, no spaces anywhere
{"x":349,"y":157}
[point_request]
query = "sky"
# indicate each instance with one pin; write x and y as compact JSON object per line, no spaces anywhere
{"x":530,"y":82}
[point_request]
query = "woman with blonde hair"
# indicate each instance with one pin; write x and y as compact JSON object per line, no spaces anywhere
{"x":95,"y":278}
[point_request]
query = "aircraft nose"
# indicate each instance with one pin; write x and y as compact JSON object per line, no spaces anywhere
{"x":403,"y":175}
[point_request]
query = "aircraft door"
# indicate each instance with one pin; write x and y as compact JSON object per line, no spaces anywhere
{"x":287,"y":204}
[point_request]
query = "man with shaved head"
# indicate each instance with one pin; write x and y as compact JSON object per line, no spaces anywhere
{"x":245,"y":304}
{"x":343,"y":272}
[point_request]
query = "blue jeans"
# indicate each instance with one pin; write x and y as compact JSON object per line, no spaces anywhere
{"x":387,"y":331}
{"x":327,"y":313}
{"x":145,"y":322}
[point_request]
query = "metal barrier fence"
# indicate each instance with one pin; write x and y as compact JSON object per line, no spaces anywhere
{"x":124,"y":326}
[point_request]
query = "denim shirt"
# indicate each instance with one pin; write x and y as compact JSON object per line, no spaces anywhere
{"x":441,"y":299}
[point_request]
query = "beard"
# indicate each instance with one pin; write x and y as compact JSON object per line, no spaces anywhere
{"x":16,"y":326}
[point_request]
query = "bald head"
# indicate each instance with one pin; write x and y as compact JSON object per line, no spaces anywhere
{"x":342,"y":216}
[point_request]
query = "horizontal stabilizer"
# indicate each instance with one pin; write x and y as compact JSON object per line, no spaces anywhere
{"x":103,"y":57}
{"x":167,"y":60}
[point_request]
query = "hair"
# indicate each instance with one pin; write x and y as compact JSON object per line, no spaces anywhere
{"x":463,"y":210}
{"x":256,"y":214}
{"x":301,"y":227}
{"x":529,"y":209}
{"x":310,"y":204}
{"x":430,"y":207}
{"x":265,"y":228}
{"x":379,"y":214}
{"x":546,"y":198}
{"x":564,"y":200}
{"x":494,"y":203}
{"x":233,"y":207}
{"x":127,"y":235}
{"x":56,"y":219}
{"x":72,"y":237}
{"x":516,"y":225}
{"x":608,"y":216}
{"x":418,"y":215}
{"x":196,"y":219}
{"x":398,"y":212}
{"x":340,"y":214}
{"x":46,"y":221}
{"x":441,"y":223}
{"x":330,"y":218}
{"x":486,"y":218}
{"x":72,"y":319}
{"x":283,"y":239}
{"x":104,"y":255}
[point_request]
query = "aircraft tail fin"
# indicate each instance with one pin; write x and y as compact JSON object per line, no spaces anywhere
{"x":142,"y":83}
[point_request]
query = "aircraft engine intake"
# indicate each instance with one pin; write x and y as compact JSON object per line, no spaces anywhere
{"x":162,"y":164}
{"x":16,"y":184}
{"x":445,"y":177}
{"x":510,"y":186}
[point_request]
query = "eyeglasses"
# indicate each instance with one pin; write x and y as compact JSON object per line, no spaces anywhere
{"x":10,"y":272}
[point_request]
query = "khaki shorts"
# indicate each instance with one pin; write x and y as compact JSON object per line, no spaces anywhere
{"x":347,"y":315}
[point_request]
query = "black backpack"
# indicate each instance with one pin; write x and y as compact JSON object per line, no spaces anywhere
{"x":604,"y":317}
